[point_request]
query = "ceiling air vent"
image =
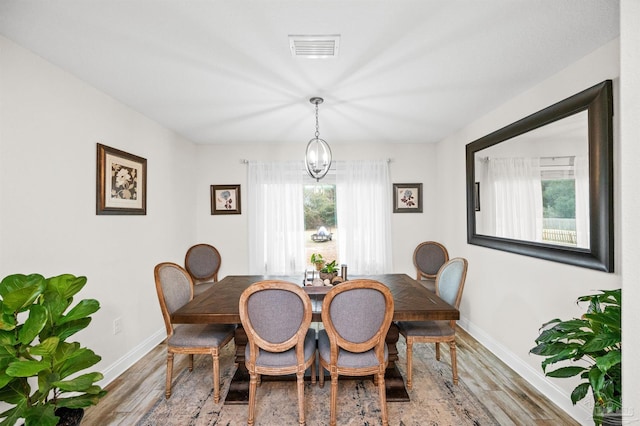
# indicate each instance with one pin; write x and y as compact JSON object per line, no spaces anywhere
{"x":314,"y":46}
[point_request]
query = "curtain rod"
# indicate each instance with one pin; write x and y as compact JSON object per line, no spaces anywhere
{"x":245,"y":161}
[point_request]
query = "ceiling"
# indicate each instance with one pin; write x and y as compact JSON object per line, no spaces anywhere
{"x":220,"y":72}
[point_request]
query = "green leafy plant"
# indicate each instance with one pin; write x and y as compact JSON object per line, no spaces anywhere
{"x":317,"y":260}
{"x":596,"y":341}
{"x":330,"y":268}
{"x":35,"y":323}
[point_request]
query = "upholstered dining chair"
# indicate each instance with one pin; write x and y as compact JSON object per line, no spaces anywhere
{"x":202,"y":261}
{"x":428,"y":257}
{"x":356,"y":316}
{"x":276,"y":316}
{"x":175,"y":289}
{"x":449,"y":285}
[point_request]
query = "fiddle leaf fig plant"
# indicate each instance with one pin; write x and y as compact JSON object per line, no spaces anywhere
{"x":594,"y":342}
{"x":35,"y":322}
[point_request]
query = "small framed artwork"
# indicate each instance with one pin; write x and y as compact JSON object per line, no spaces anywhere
{"x":407,"y":198}
{"x":476,"y":196}
{"x":225,"y":199}
{"x":121,"y":182}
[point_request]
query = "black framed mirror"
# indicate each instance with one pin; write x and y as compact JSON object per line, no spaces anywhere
{"x":543,"y":186}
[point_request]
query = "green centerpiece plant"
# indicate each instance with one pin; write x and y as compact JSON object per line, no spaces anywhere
{"x":593,"y":346}
{"x":37,"y":365}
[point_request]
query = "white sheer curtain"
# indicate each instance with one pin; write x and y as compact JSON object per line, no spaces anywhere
{"x":363,"y":202}
{"x":582,"y":201}
{"x":517,"y":194}
{"x":276,"y":218}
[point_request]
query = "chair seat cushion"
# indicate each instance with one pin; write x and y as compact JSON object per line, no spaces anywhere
{"x":426,"y":328}
{"x":201,"y":288}
{"x":286,"y":358}
{"x":200,"y":335}
{"x":348,"y":359}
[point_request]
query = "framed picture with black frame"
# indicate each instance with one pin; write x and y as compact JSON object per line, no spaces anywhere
{"x":407,"y":198}
{"x":121,"y":182}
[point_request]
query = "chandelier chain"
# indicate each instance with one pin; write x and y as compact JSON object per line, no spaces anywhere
{"x":317,"y":123}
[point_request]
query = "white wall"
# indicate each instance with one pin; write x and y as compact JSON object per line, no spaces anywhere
{"x":509,"y":296}
{"x":630,"y":203}
{"x":50,"y":123}
{"x":221,"y":165}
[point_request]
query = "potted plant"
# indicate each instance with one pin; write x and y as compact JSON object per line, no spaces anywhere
{"x":595,"y":342}
{"x":329,"y":271}
{"x":36,"y":361}
{"x":317,"y":260}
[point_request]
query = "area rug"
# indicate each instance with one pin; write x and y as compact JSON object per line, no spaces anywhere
{"x":434,"y":401}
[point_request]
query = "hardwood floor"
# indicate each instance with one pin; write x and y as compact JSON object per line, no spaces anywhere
{"x":510,"y":399}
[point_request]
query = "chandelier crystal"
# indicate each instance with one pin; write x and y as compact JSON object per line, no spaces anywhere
{"x":318,"y":155}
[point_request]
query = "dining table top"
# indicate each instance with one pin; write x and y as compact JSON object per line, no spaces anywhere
{"x":220,"y":303}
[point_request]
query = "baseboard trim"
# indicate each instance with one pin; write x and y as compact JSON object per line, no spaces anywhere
{"x":580,"y":412}
{"x":130,"y":358}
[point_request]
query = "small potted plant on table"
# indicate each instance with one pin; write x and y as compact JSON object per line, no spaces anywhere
{"x":317,"y":260}
{"x":34,"y":327}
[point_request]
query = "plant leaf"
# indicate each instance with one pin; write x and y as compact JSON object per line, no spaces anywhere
{"x":601,"y":341}
{"x":83,"y":309}
{"x":66,"y":285}
{"x":81,"y":401}
{"x":607,"y":361}
{"x":80,"y":383}
{"x":26,"y":368}
{"x":48,"y":347}
{"x":41,"y":415}
{"x":579,"y":392}
{"x":33,"y":324}
{"x":566,"y":371}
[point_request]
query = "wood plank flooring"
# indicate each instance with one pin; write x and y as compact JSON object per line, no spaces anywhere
{"x":510,"y":399}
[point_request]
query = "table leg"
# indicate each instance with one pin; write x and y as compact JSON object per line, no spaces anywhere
{"x":239,"y":387}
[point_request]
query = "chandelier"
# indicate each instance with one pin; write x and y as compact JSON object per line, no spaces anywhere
{"x":318,"y":155}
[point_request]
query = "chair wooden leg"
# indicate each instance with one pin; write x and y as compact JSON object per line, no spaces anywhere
{"x":190,"y":362}
{"x":321,"y":375}
{"x":334,"y":398}
{"x":216,"y":375}
{"x":409,"y":362}
{"x":253,"y":383}
{"x":383,"y":398}
{"x":167,"y":392}
{"x":454,"y":362}
{"x":313,"y":371}
{"x":300,"y":383}
{"x":438,"y":351}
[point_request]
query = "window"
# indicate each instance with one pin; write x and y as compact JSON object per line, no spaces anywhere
{"x":320,"y":225}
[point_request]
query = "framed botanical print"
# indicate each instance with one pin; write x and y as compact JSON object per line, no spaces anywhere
{"x":407,"y":198}
{"x":121,"y":182}
{"x":225,"y":199}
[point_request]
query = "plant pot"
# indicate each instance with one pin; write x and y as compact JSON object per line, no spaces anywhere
{"x":328,"y":275}
{"x":69,"y":416}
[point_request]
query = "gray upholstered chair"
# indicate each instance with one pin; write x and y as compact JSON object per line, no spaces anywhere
{"x":175,"y":289}
{"x":202,"y":261}
{"x":356,"y":317}
{"x":276,"y":316}
{"x":428,"y":257}
{"x":449,"y":285}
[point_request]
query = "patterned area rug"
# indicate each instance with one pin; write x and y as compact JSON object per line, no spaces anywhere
{"x":434,"y":401}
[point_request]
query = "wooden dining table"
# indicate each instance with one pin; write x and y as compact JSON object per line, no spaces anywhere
{"x":220,"y":305}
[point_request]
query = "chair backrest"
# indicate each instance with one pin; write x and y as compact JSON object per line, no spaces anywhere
{"x":428,"y":257}
{"x":174,"y":287}
{"x":276,"y":316}
{"x":357,"y":315}
{"x":450,"y":281}
{"x":202,"y":261}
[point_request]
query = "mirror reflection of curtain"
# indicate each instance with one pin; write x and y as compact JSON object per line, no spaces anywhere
{"x":516,"y":190}
{"x":276,"y":218}
{"x":363,"y":202}
{"x":582,"y":201}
